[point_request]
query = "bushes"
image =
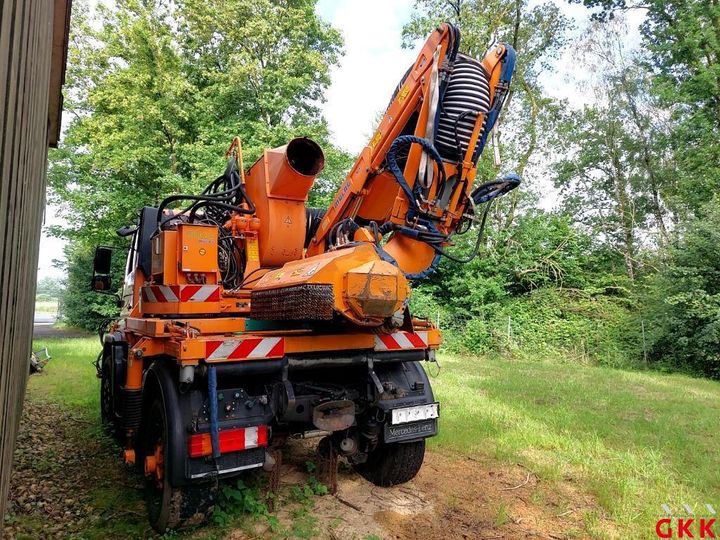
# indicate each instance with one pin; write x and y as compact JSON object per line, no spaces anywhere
{"x":82,"y":307}
{"x":540,"y":290}
{"x":683,"y":300}
{"x":546,"y":323}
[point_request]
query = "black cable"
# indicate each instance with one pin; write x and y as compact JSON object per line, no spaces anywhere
{"x":246,"y":282}
{"x":477,"y":242}
{"x":228,"y":199}
{"x":394,"y":168}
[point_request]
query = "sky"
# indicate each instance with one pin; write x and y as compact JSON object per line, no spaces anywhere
{"x":372,"y":33}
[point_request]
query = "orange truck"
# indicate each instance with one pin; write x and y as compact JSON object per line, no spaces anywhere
{"x":248,"y":318}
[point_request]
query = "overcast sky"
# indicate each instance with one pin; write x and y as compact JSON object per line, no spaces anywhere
{"x":366,"y":76}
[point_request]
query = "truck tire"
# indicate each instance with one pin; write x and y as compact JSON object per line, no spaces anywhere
{"x":392,"y":464}
{"x":107,"y":408}
{"x":170,"y":507}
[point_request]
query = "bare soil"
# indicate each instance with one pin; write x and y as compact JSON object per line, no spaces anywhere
{"x":63,"y":474}
{"x":452,"y":497}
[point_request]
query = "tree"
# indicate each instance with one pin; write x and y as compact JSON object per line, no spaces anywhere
{"x":50,"y":288}
{"x":82,"y":307}
{"x":682,"y":39}
{"x":157,"y":93}
{"x":615,"y":172}
{"x":683,"y":304}
{"x":596,"y":180}
{"x":157,"y":89}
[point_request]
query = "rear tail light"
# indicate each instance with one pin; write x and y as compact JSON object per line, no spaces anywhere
{"x":231,"y":440}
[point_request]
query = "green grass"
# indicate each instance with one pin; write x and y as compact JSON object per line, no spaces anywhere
{"x":632,"y":439}
{"x":46,"y":306}
{"x":69,"y":376}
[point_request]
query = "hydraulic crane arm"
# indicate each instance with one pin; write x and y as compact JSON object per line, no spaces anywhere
{"x":242,"y":243}
{"x":415,"y":177}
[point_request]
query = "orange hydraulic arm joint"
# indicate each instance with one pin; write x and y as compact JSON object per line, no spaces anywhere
{"x":414,"y":180}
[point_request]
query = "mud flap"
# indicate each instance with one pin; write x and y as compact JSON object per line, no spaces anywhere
{"x":406,"y":385}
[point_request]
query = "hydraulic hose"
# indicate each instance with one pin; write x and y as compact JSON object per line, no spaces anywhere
{"x":212,"y":397}
{"x":394,"y":168}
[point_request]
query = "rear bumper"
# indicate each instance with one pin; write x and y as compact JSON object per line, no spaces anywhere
{"x":226,"y":464}
{"x":262,"y":345}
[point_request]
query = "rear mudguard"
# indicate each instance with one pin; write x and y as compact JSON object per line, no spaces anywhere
{"x":411,"y":378}
{"x":116,"y":348}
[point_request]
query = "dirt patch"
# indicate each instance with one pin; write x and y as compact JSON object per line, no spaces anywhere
{"x":480,"y":499}
{"x":68,"y":480}
{"x":58,"y":471}
{"x":452,"y":497}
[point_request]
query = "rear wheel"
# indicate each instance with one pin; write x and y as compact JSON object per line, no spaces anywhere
{"x":392,"y":464}
{"x":169,"y":507}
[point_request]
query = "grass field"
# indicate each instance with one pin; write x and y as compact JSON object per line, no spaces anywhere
{"x":632,"y":440}
{"x":46,"y":307}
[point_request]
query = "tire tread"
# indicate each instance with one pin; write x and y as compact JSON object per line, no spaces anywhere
{"x":393,"y":464}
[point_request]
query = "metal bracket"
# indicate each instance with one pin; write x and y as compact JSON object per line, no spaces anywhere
{"x":374,"y":378}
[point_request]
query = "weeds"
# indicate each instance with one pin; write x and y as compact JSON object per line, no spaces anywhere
{"x":238,"y":499}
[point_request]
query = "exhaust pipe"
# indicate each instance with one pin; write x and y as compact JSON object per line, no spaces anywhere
{"x":291,"y":169}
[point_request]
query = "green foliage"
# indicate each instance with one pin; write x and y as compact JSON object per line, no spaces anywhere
{"x":81,"y":307}
{"x":238,"y":499}
{"x":306,"y":492}
{"x":49,"y":288}
{"x":539,"y":288}
{"x":683,"y":307}
{"x":665,"y":115}
{"x":157,"y":93}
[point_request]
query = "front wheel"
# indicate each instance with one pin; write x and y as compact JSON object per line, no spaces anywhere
{"x":392,"y":464}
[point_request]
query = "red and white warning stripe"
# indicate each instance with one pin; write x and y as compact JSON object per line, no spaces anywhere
{"x":181,"y":293}
{"x":248,"y":348}
{"x":401,"y":340}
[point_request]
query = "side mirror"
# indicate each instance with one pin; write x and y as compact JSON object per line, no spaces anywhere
{"x":102,"y":265}
{"x":100,"y":283}
{"x":103,"y":260}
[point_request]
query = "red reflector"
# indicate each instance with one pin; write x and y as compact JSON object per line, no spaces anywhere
{"x":262,"y":436}
{"x":231,"y":440}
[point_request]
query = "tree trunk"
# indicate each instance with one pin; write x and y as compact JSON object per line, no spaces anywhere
{"x":625,"y":212}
